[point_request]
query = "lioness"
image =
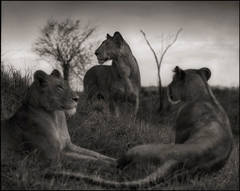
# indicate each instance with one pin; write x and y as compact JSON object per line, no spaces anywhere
{"x":40,"y":123}
{"x":203,"y":134}
{"x":118,"y":82}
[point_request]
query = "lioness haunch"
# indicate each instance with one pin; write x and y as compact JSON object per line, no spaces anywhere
{"x":40,"y":123}
{"x":203,"y":133}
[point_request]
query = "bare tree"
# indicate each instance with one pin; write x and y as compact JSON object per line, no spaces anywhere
{"x":159,"y":62}
{"x":63,"y":43}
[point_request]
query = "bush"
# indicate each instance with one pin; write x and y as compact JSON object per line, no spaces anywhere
{"x":13,"y":89}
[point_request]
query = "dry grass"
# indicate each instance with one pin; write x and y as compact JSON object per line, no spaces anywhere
{"x":93,"y":128}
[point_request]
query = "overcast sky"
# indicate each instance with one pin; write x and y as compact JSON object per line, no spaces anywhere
{"x":210,"y":36}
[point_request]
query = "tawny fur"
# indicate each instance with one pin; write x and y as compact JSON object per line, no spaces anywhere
{"x":203,"y":140}
{"x":119,"y":82}
{"x":40,"y":123}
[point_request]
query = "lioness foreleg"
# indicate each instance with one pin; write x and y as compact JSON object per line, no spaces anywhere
{"x":188,"y":154}
{"x":125,"y":72}
{"x":88,"y":154}
{"x":77,"y":156}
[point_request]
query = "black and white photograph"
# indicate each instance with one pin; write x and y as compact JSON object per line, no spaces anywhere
{"x":120,"y":95}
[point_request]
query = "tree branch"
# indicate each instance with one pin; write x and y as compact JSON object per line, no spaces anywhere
{"x":63,"y":42}
{"x":159,"y":62}
{"x":154,"y":53}
{"x":166,"y":49}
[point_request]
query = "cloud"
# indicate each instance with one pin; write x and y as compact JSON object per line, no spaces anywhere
{"x":210,"y":36}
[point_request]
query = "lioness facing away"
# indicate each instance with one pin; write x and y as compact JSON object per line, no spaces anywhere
{"x":203,"y":140}
{"x":118,"y":82}
{"x":40,"y":123}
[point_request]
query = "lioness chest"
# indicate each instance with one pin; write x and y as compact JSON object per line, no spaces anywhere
{"x":55,"y":127}
{"x":39,"y":128}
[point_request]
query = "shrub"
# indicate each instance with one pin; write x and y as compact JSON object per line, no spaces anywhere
{"x":13,"y":89}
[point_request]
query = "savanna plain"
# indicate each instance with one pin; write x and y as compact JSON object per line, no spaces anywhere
{"x":94,"y":128}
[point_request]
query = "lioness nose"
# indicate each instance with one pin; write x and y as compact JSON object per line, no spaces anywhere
{"x":75,"y":98}
{"x":96,"y":53}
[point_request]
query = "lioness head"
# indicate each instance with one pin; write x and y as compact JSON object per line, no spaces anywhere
{"x":51,"y":92}
{"x":188,"y":84}
{"x":110,"y":48}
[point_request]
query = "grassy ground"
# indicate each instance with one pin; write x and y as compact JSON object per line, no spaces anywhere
{"x":93,"y":128}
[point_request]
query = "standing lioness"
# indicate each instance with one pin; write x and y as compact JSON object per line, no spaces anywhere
{"x":40,"y":123}
{"x":119,"y":82}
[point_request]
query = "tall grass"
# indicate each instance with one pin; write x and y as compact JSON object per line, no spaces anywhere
{"x":229,"y":99}
{"x":94,"y":128}
{"x":13,"y":89}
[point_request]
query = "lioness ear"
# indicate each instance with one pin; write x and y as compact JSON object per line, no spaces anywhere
{"x":40,"y":77}
{"x":118,"y":39}
{"x":179,"y":72}
{"x":205,"y":73}
{"x":56,"y":73}
{"x":108,"y":36}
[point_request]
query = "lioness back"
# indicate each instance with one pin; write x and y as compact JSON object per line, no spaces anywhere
{"x":97,"y":80}
{"x":201,"y":120}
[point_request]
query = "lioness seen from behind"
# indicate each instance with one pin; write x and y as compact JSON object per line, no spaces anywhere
{"x":203,"y":140}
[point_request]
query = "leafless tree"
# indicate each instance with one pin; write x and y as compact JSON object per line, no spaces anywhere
{"x":64,"y":43}
{"x":159,"y":61}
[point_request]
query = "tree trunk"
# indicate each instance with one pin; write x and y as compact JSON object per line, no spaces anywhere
{"x":66,"y":72}
{"x":160,"y":93}
{"x":159,"y":63}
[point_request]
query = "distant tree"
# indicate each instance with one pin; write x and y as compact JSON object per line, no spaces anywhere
{"x":159,"y":62}
{"x":64,"y":42}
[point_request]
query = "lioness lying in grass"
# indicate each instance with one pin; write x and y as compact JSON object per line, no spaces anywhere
{"x":203,"y":140}
{"x":40,"y":123}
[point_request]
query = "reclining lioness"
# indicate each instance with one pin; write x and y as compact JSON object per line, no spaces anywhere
{"x":40,"y":123}
{"x":203,"y":138}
